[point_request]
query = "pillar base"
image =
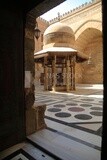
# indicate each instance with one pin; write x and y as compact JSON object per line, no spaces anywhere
{"x":39,"y":115}
{"x":35,"y":118}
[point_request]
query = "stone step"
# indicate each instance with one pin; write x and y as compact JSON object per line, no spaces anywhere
{"x":36,"y":152}
{"x":44,"y":140}
{"x":25,"y":151}
{"x":62,"y":148}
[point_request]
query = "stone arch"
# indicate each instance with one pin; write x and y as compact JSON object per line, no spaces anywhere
{"x":89,"y":41}
{"x":86,"y":37}
{"x":88,"y":24}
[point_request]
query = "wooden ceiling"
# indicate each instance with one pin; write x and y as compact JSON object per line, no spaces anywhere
{"x":38,"y":7}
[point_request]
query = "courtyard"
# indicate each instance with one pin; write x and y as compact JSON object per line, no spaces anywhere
{"x":74,"y":122}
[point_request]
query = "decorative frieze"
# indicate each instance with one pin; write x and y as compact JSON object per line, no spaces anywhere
{"x":77,"y":11}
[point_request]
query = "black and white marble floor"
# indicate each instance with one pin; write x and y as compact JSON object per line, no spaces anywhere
{"x":74,"y":108}
{"x":76,"y":117}
{"x":74,"y":127}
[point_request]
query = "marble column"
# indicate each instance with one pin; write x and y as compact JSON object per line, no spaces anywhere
{"x":54,"y":73}
{"x":67,"y":74}
{"x":49,"y":78}
{"x":64,"y":72}
{"x":74,"y":59}
{"x":45,"y":74}
{"x":71,"y":61}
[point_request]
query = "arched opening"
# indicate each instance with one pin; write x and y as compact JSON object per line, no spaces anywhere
{"x":93,"y":47}
{"x":18,"y":70}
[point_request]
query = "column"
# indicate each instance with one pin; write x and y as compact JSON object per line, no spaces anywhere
{"x":74,"y":59}
{"x":54,"y":73}
{"x":64,"y":72}
{"x":71,"y":61}
{"x":67,"y":75}
{"x":49,"y":78}
{"x":45,"y":74}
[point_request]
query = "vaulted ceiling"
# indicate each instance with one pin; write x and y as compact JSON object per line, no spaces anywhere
{"x":88,"y":36}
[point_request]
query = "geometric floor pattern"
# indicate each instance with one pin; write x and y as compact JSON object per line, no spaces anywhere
{"x":74,"y":126}
{"x":19,"y":155}
{"x":78,"y":112}
{"x":26,"y":151}
{"x":74,"y":108}
{"x":76,"y":117}
{"x":74,"y":112}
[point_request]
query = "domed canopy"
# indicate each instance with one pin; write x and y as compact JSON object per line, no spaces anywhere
{"x":59,"y":40}
{"x":58,"y":27}
{"x":58,"y":35}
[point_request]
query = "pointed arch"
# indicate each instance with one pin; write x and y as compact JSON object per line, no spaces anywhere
{"x":88,"y":24}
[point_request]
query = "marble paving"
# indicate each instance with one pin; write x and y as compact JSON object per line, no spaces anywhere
{"x":74,"y":126}
{"x":74,"y":108}
{"x":76,"y":119}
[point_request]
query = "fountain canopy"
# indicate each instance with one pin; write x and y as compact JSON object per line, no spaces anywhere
{"x":59,"y":38}
{"x":58,"y":58}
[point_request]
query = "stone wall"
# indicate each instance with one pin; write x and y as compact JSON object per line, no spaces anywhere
{"x":29,"y":74}
{"x":78,"y":73}
{"x":93,"y":73}
{"x":86,"y":22}
{"x":42,"y":25}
